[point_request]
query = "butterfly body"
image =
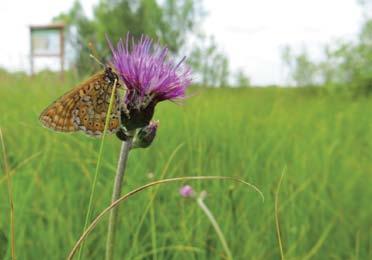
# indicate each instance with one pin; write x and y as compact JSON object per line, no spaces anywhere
{"x":85,"y":107}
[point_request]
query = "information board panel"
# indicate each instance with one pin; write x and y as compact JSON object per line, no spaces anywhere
{"x":46,"y":42}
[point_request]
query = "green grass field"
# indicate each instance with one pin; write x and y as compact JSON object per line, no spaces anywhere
{"x":323,"y":144}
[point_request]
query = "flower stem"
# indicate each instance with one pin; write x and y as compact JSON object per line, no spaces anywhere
{"x":215,"y":226}
{"x":123,"y":157}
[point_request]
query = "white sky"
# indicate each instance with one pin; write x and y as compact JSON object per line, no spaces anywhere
{"x":250,"y":32}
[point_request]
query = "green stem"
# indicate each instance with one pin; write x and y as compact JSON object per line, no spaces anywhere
{"x":153,"y":230}
{"x":215,"y":226}
{"x":98,"y":165}
{"x":123,"y":157}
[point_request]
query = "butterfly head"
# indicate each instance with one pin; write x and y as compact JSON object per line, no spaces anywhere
{"x":110,"y":76}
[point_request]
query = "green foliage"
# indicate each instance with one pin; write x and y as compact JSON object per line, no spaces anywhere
{"x":304,"y":74}
{"x":324,"y":203}
{"x":303,"y":71}
{"x":170,"y":23}
{"x":347,"y":66}
{"x":173,"y":23}
{"x":242,"y":80}
{"x":181,"y":20}
{"x":210,"y":65}
{"x":3,"y":244}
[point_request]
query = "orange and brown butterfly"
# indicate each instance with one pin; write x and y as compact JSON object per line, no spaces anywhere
{"x":84,"y":108}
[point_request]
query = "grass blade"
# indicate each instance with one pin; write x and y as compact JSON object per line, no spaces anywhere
{"x":100,"y":153}
{"x":277,"y":224}
{"x":10,"y":194}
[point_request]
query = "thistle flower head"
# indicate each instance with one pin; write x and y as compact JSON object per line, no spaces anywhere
{"x":148,"y":74}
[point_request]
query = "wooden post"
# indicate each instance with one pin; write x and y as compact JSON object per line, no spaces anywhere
{"x":31,"y":54}
{"x":62,"y":51}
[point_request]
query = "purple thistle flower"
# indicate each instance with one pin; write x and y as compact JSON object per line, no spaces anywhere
{"x":147,"y":73}
{"x":186,"y":191}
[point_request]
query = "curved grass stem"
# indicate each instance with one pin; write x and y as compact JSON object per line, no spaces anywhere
{"x":216,"y":227}
{"x":146,"y":186}
{"x":277,"y":224}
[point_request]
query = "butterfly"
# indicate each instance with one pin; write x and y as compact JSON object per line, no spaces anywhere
{"x":84,"y":108}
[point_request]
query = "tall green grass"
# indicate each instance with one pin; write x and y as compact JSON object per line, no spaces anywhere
{"x":324,"y":142}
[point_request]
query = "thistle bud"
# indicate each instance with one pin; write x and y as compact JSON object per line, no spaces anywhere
{"x":146,"y":135}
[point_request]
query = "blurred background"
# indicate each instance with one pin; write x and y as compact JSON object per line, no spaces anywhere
{"x":280,"y":87}
{"x":287,"y":42}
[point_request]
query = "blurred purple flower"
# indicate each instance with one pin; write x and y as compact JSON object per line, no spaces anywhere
{"x":150,"y":77}
{"x":186,"y":191}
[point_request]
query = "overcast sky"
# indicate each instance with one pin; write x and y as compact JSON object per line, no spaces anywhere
{"x":250,"y":32}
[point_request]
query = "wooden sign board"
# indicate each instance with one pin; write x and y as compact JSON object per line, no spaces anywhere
{"x":47,"y":41}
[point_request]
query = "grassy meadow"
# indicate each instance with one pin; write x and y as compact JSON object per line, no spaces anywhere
{"x":322,"y":144}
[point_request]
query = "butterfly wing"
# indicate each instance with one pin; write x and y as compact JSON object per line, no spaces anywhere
{"x":90,"y":113}
{"x":58,"y":116}
{"x":84,"y":108}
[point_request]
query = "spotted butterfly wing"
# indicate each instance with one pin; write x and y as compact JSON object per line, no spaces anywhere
{"x":85,"y":107}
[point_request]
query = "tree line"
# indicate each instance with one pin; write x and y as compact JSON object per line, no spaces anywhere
{"x":174,"y":23}
{"x":346,"y":67}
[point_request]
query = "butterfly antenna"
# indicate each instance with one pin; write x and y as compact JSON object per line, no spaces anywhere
{"x":97,"y":60}
{"x":94,"y":55}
